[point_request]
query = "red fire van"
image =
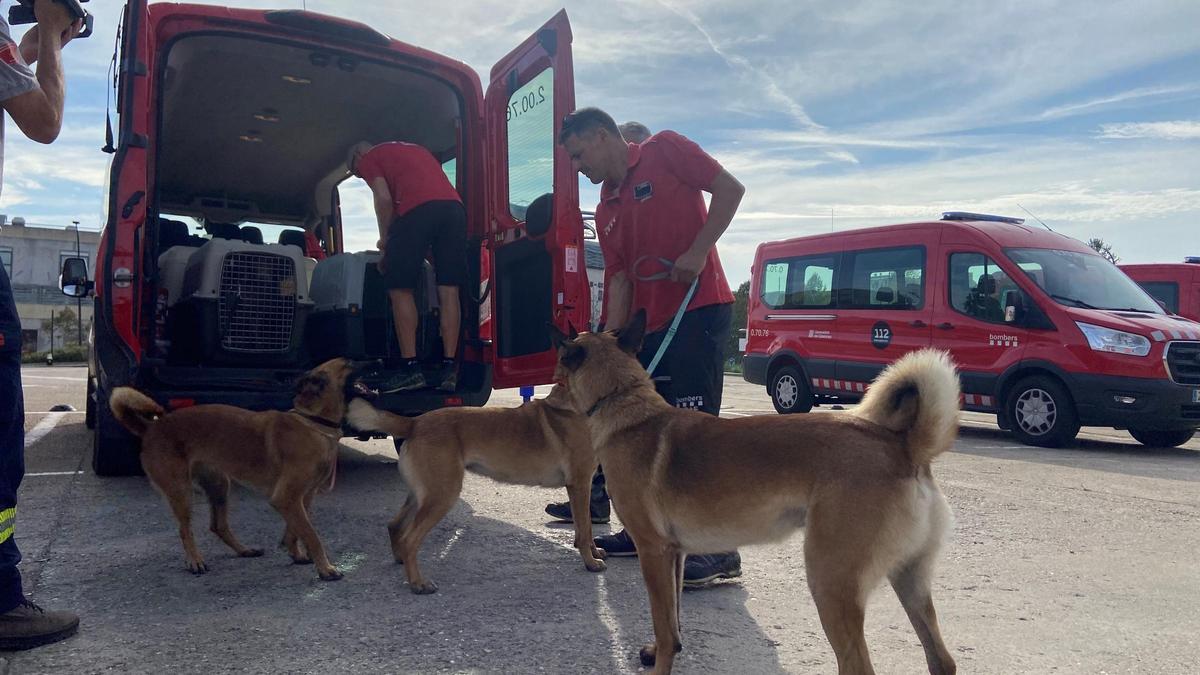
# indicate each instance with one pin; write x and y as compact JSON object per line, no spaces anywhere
{"x":1176,"y":286}
{"x":1046,"y":333}
{"x":233,"y":130}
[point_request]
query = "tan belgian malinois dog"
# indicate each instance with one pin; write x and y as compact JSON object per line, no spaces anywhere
{"x":858,"y":482}
{"x":288,"y":455}
{"x":543,"y":442}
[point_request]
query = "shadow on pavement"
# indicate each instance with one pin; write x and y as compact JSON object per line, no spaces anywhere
{"x":1123,"y":458}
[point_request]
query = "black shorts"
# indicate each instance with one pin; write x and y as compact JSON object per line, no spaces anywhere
{"x":695,"y":359}
{"x":437,"y":225}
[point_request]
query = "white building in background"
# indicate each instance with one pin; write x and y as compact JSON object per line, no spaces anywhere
{"x":32,"y":254}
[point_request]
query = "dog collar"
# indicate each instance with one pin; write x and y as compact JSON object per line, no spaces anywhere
{"x":318,"y":419}
{"x":603,"y":399}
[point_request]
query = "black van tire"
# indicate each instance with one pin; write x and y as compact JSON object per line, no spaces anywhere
{"x":89,"y":405}
{"x":1159,"y":438}
{"x":1041,"y":412}
{"x":114,"y":450}
{"x":789,"y":391}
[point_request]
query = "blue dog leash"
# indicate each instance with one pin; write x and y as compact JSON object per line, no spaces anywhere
{"x":666,"y":342}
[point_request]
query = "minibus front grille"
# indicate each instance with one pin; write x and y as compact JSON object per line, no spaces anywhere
{"x":257,"y":302}
{"x":1183,"y":362}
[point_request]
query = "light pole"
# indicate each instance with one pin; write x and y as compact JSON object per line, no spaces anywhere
{"x":78,"y":301}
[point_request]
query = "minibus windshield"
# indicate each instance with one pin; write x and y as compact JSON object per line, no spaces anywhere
{"x":1082,"y":280}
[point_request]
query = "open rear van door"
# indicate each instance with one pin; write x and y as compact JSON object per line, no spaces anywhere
{"x":535,"y":229}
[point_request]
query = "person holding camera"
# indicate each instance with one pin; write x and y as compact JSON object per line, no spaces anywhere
{"x":35,"y":104}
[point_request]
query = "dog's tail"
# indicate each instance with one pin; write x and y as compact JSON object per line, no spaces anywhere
{"x":917,"y":396}
{"x":134,"y":410}
{"x":366,"y":417}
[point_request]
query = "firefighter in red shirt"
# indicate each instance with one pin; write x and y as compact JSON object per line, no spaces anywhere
{"x":657,"y":237}
{"x":417,"y":209}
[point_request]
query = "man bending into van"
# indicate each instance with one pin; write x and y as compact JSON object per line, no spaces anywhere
{"x":35,"y":103}
{"x":417,"y":209}
{"x":651,"y":210}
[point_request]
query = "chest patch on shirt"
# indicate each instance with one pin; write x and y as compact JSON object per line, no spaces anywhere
{"x":643,"y":191}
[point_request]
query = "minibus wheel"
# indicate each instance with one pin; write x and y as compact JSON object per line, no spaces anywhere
{"x":1041,"y":412}
{"x":89,"y":405}
{"x":115,"y":451}
{"x":1157,"y":438}
{"x":789,"y":391}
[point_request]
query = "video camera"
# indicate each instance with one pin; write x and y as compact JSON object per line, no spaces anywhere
{"x":22,"y":12}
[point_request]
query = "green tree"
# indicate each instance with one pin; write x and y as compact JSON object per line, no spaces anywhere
{"x":815,"y":292}
{"x":1103,"y":248}
{"x":64,"y":327}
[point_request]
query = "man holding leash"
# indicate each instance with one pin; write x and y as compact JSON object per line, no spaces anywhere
{"x":35,"y":103}
{"x":632,"y":132}
{"x":659,"y":245}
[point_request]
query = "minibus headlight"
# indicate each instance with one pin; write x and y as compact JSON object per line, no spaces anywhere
{"x":1104,"y":339}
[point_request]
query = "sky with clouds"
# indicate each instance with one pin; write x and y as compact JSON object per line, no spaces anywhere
{"x":835,"y":115}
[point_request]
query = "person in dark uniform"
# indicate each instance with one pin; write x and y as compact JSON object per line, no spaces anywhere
{"x":35,"y":104}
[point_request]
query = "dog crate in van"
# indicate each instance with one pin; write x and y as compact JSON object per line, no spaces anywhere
{"x":240,"y":303}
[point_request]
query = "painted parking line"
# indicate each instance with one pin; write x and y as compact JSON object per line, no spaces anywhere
{"x":44,"y":427}
{"x":53,"y":473}
{"x":25,"y":376}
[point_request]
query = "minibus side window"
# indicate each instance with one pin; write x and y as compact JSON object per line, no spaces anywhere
{"x":978,"y":287}
{"x":798,"y":283}
{"x":886,"y":279}
{"x":530,"y":142}
{"x":1166,"y":292}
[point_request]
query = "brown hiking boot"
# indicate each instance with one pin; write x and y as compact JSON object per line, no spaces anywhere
{"x":27,"y":626}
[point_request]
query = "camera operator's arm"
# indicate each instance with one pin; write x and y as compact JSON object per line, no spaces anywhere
{"x":38,"y":111}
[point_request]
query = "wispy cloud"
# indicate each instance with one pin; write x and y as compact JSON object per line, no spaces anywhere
{"x":1124,"y":97}
{"x":1177,"y":130}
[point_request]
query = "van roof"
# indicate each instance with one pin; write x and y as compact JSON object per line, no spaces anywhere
{"x":1003,"y":234}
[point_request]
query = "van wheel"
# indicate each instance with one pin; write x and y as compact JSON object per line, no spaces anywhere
{"x":1041,"y":412}
{"x":789,"y":391}
{"x":114,"y":450}
{"x":89,"y":405}
{"x":1157,"y":438}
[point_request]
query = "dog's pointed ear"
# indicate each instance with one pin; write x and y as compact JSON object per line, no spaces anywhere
{"x":557,"y":337}
{"x":571,"y":327}
{"x":629,"y":338}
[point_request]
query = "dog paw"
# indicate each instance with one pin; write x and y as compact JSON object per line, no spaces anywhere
{"x":595,"y":566}
{"x":331,"y":575}
{"x":599,"y":553}
{"x":424,"y":588}
{"x":648,"y":655}
{"x":198,"y":567}
{"x":300,"y":560}
{"x":251,"y":553}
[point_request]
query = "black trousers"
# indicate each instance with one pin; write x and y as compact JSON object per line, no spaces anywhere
{"x":12,"y":449}
{"x":691,"y":374}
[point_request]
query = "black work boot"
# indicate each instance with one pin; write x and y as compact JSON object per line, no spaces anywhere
{"x":27,"y":626}
{"x":410,"y":377}
{"x":598,"y":503}
{"x":448,"y":376}
{"x":701,"y":570}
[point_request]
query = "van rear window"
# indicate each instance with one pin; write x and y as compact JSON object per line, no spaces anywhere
{"x":798,"y":283}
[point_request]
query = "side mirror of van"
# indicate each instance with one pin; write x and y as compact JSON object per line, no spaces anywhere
{"x":1014,"y":306}
{"x":539,"y":215}
{"x":73,"y":281}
